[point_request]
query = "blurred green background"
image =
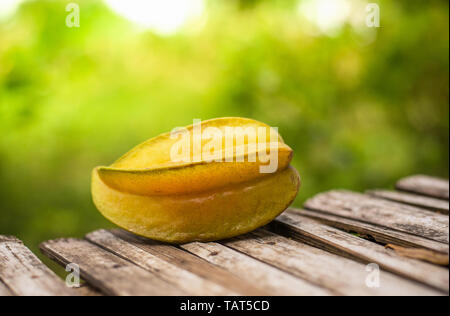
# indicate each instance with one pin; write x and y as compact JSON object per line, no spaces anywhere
{"x":360,"y":106}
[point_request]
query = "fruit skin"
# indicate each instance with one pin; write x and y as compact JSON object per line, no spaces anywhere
{"x":155,"y":152}
{"x":206,"y":216}
{"x":188,"y":178}
{"x":148,"y":170}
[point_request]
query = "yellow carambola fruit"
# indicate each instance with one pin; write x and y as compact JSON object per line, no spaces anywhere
{"x":149,"y":170}
{"x":147,"y":193}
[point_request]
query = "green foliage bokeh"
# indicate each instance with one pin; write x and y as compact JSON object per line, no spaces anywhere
{"x":360,"y":108}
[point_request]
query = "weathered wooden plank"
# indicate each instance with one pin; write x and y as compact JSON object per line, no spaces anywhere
{"x":380,"y":234}
{"x":421,"y":254}
{"x":426,"y":185}
{"x":340,"y":275}
{"x":4,"y":291}
{"x":390,"y":214}
{"x":267,"y":277}
{"x":437,"y":205}
{"x":24,"y":274}
{"x":185,"y":280}
{"x":87,"y":290}
{"x":326,"y":237}
{"x":105,"y":271}
{"x":192,"y":263}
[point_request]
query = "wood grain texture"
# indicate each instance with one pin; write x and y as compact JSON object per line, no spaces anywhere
{"x":340,"y":275}
{"x":421,"y":254}
{"x":185,"y":280}
{"x":377,"y":211}
{"x":334,"y":240}
{"x":426,"y":185}
{"x":105,"y":271}
{"x":192,"y":263}
{"x":87,"y":290}
{"x":4,"y":238}
{"x":24,"y":274}
{"x":4,"y":291}
{"x":437,"y":205}
{"x":272,"y":280}
{"x":379,"y":233}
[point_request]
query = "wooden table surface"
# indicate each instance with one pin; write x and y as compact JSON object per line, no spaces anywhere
{"x":330,"y":247}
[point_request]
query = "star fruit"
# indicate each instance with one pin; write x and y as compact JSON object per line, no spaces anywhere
{"x":212,"y":180}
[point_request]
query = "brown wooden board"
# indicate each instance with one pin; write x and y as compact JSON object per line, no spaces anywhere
{"x":325,"y":249}
{"x":437,"y":205}
{"x":107,"y":272}
{"x":24,"y":274}
{"x":193,"y":264}
{"x":340,"y":275}
{"x":381,"y":234}
{"x":183,"y":279}
{"x":87,"y":290}
{"x":426,"y":185}
{"x":268,"y":278}
{"x":333,"y":240}
{"x":381,"y":212}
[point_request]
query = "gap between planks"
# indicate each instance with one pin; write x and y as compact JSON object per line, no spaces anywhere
{"x":342,"y":271}
{"x":270,"y":280}
{"x":105,"y":271}
{"x":381,"y":234}
{"x":275,"y":281}
{"x":294,"y":225}
{"x":433,"y":204}
{"x":400,"y":217}
{"x":340,"y":275}
{"x":183,"y":279}
{"x":152,"y":274}
{"x":192,"y":263}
